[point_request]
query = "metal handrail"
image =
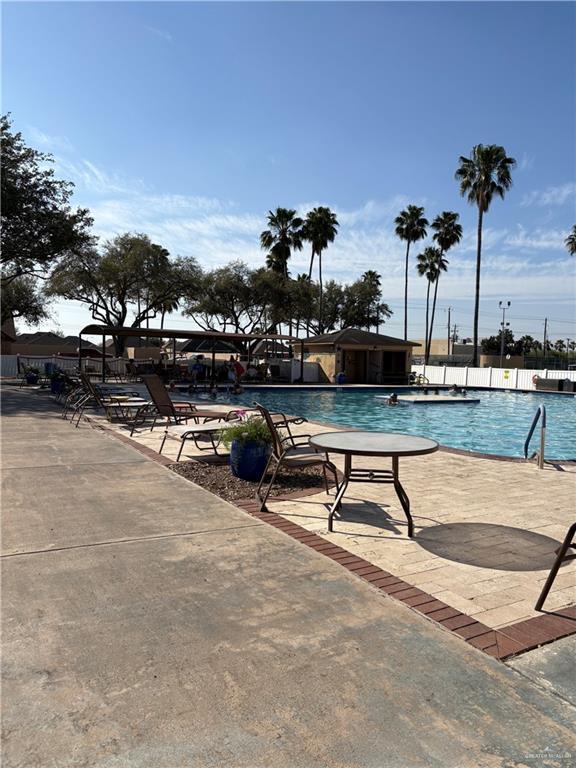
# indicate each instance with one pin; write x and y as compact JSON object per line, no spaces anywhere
{"x":540,"y":415}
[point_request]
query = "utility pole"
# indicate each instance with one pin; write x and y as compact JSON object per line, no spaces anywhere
{"x":545,"y":337}
{"x":448,"y":345}
{"x":567,"y":352}
{"x":454,"y":335}
{"x":504,"y":306}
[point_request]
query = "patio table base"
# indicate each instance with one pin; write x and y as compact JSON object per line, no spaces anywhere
{"x":364,"y":475}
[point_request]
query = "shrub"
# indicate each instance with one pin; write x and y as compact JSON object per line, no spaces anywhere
{"x":252,"y":430}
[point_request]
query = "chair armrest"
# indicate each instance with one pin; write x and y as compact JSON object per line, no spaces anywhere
{"x":294,"y":443}
{"x":185,"y":404}
{"x":286,"y":419}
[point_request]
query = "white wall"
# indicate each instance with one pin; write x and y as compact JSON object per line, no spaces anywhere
{"x":311,"y":371}
{"x":512,"y":378}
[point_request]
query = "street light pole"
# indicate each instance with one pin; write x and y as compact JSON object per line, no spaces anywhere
{"x":504,"y":306}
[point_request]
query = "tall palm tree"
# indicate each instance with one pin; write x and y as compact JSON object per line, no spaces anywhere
{"x":320,"y":229}
{"x":166,"y":308}
{"x":441,"y":265}
{"x":426,"y":267}
{"x":283,"y":236}
{"x":447,"y":233}
{"x":411,"y":227}
{"x":570,"y":241}
{"x":487,"y":172}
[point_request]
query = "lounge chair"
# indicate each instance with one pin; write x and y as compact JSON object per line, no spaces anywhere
{"x":174,"y":411}
{"x":113,"y":403}
{"x":211,"y":430}
{"x":295,"y":455}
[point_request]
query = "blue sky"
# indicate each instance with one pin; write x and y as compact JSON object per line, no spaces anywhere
{"x":188,"y":121}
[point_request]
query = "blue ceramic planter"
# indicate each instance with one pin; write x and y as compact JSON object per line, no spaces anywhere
{"x":57,"y":386}
{"x":248,"y":460}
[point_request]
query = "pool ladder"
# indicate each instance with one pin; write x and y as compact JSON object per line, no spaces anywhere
{"x":540,"y":415}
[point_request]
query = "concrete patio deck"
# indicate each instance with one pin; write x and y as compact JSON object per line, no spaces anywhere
{"x":149,"y":623}
{"x":486,"y":529}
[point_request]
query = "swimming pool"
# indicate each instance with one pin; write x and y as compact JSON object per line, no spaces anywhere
{"x":498,"y":424}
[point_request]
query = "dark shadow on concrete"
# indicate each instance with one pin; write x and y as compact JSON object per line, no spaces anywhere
{"x":485,"y":545}
{"x":359,"y":512}
{"x":19,"y":401}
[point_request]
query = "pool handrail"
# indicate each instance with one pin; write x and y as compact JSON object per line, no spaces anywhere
{"x":540,"y":415}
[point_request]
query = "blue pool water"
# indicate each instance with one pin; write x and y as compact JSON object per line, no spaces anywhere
{"x":498,"y":424}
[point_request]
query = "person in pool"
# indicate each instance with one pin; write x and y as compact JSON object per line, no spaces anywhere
{"x":393,"y":399}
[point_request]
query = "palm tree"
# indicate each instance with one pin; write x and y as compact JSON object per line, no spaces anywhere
{"x":447,"y":233}
{"x":570,"y":241}
{"x":166,"y":308}
{"x":411,"y":227}
{"x":283,"y":236}
{"x":559,"y":345}
{"x":426,"y":266}
{"x":487,"y":172}
{"x":320,"y":229}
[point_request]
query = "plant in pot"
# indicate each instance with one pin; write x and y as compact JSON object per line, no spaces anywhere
{"x":31,"y":375}
{"x":57,"y":381}
{"x":250,"y":443}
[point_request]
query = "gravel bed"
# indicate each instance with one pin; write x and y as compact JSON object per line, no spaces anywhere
{"x":218,"y":479}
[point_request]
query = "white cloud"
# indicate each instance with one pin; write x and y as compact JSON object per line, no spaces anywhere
{"x":375,"y":211}
{"x":91,"y":179}
{"x":526,"y":162}
{"x":490,"y":239}
{"x":51,"y":143}
{"x":558,"y":195}
{"x":538,"y":239}
{"x":164,"y":34}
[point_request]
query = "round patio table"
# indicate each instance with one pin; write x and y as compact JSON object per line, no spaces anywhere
{"x":380,"y":444}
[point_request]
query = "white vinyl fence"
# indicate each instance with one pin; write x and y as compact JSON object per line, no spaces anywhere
{"x":9,"y":364}
{"x":497,"y":378}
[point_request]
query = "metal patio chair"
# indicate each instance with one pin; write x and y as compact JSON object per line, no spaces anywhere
{"x":289,"y":453}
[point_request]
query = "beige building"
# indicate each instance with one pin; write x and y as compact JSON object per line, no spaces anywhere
{"x":439,"y":348}
{"x":364,"y":357}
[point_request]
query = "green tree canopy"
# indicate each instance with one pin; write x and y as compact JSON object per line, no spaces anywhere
{"x":21,"y":299}
{"x":130,"y":276}
{"x":522,"y":346}
{"x":303,"y":302}
{"x":38,"y":224}
{"x":238,"y":299}
{"x":332,"y":305}
{"x":492,"y":344}
{"x":363,"y":306}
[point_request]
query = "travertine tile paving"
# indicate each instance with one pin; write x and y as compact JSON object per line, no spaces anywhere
{"x":485,"y":530}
